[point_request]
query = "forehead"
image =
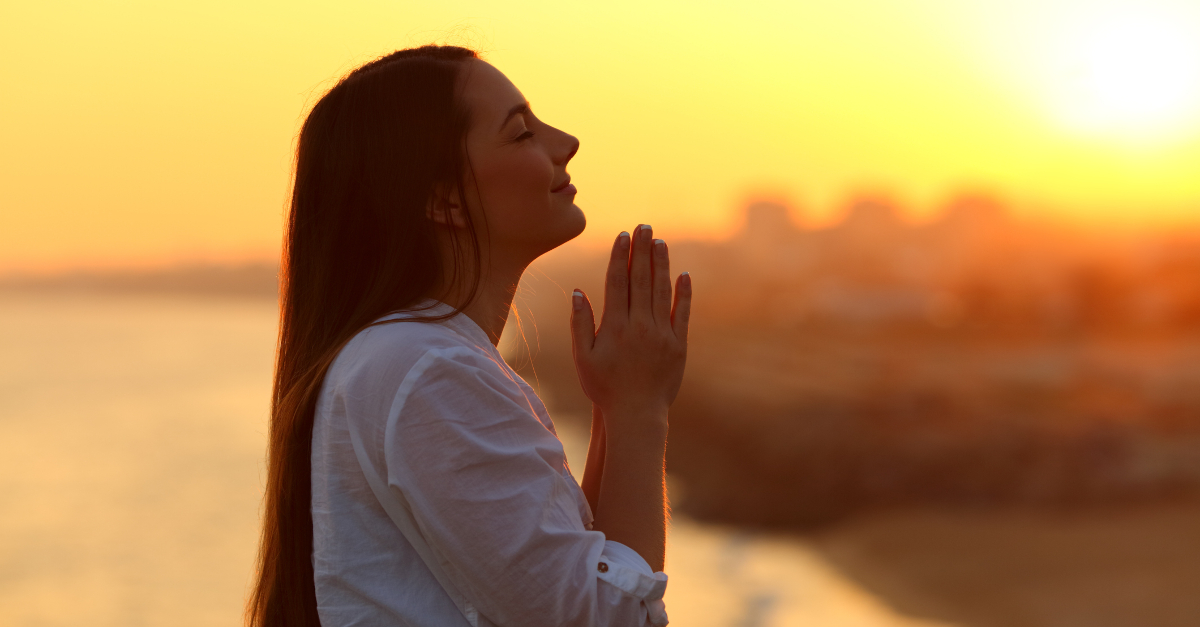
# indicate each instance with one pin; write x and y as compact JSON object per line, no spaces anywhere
{"x":488,"y":94}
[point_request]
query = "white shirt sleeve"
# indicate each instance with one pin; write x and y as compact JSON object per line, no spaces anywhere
{"x":483,"y":477}
{"x":622,"y":567}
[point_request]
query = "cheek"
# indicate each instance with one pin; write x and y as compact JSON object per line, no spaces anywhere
{"x":515,"y":192}
{"x":515,"y":187}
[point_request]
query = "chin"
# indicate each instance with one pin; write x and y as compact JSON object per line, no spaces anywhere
{"x":564,"y":230}
{"x":580,"y":222}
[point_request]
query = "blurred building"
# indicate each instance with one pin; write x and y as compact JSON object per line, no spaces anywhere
{"x":972,"y":358}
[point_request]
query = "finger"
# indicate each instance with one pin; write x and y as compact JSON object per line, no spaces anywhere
{"x":661,"y":295}
{"x":583,"y":325}
{"x":683,"y":306}
{"x":616,"y":281}
{"x":640,"y":274}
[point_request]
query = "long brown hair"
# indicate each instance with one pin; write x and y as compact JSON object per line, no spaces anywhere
{"x":358,"y":246}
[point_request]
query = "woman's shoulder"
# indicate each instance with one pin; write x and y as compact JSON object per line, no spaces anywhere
{"x":390,"y":348}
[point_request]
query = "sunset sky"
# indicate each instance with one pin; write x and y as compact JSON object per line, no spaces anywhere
{"x":158,"y":132}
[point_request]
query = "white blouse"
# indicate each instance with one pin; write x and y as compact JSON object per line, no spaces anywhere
{"x":469,"y":450}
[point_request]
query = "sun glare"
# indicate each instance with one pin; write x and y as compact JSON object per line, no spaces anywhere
{"x":1132,"y":73}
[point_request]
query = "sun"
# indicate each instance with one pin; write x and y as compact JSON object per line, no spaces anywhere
{"x":1132,"y":73}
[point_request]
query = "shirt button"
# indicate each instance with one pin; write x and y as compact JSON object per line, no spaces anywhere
{"x":602,"y":567}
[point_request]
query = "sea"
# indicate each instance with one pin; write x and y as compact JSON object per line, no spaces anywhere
{"x":132,"y":438}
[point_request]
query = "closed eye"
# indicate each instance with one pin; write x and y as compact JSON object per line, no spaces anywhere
{"x":524,"y":136}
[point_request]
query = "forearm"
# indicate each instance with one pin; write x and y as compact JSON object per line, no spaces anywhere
{"x":632,"y":366}
{"x":632,"y":495}
{"x":594,"y":470}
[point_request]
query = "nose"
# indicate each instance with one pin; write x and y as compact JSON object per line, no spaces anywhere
{"x":571,"y":146}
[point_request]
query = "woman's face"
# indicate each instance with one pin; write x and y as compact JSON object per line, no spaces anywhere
{"x":519,"y":162}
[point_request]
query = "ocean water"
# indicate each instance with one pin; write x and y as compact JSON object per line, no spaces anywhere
{"x":132,"y":434}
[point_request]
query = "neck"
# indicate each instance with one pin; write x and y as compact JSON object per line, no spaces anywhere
{"x":491,"y":305}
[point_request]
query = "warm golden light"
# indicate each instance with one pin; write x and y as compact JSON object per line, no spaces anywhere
{"x":148,"y":134}
{"x":1133,"y":73}
{"x":944,"y":366}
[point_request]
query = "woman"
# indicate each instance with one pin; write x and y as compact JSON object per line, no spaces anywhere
{"x":414,"y":478}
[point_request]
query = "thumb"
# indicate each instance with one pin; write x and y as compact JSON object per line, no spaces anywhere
{"x":583,"y":324}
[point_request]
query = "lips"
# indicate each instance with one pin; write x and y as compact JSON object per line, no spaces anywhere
{"x":562,"y":185}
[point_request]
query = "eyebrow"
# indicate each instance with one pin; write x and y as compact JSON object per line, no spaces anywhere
{"x":516,"y":110}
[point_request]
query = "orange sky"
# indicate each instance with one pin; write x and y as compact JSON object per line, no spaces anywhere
{"x":150,"y":132}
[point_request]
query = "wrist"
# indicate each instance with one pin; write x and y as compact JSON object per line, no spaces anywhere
{"x":642,"y":422}
{"x":597,"y":417}
{"x":630,"y":407}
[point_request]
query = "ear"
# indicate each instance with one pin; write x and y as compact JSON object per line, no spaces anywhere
{"x":445,"y":207}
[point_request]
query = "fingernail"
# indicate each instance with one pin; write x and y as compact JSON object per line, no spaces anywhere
{"x":577,"y":299}
{"x":687,"y":278}
{"x":647,"y":230}
{"x":623,"y":238}
{"x":660,"y":245}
